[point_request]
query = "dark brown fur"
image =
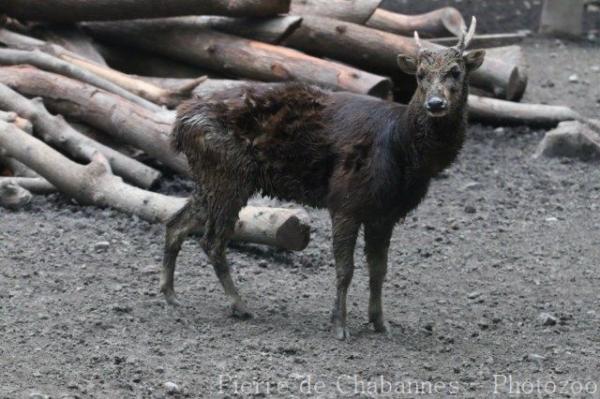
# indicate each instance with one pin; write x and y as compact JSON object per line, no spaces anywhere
{"x":368,"y":161}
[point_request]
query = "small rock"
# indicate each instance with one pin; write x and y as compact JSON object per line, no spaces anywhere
{"x":37,"y":395}
{"x":470,"y":209}
{"x":574,"y":78}
{"x":483,"y":324}
{"x":171,"y":387}
{"x":551,"y":219}
{"x":474,"y":295}
{"x":570,"y":139}
{"x":263,"y":263}
{"x":472,"y":186}
{"x":534,"y":357}
{"x":547,"y":319}
{"x":499,"y":130}
{"x":595,"y":68}
{"x":152,"y":269}
{"x":101,"y":246}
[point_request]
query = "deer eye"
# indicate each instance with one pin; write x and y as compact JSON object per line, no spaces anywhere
{"x":454,"y":73}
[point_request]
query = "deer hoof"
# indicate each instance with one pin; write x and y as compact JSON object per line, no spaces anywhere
{"x":239,"y":311}
{"x":342,"y":333}
{"x":171,"y":298}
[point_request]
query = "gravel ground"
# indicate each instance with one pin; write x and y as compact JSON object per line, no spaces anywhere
{"x":493,"y":287}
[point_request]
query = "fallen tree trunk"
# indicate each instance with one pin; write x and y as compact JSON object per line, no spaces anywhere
{"x":133,"y":61}
{"x":142,"y":89}
{"x":377,"y":50}
{"x":94,"y":184}
{"x":357,"y":11}
{"x":35,"y":185}
{"x":50,"y":63}
{"x":267,"y":30}
{"x":64,"y":11}
{"x":16,"y":167}
{"x":14,"y":118}
{"x":498,"y":112}
{"x":56,"y":131}
{"x":432,"y":24}
{"x":241,"y":57}
{"x":13,"y":196}
{"x":122,"y":119}
{"x":71,"y":39}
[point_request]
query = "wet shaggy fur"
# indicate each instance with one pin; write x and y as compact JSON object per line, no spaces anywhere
{"x":368,"y":161}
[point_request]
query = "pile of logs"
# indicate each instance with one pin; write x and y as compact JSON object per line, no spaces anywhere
{"x":88,"y":88}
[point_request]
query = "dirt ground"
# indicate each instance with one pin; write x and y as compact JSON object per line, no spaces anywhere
{"x":500,"y":240}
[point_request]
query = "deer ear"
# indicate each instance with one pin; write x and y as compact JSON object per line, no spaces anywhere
{"x":407,"y":64}
{"x":474,"y":59}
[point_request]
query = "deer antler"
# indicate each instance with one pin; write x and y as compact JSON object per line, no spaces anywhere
{"x":467,"y":36}
{"x":418,"y":41}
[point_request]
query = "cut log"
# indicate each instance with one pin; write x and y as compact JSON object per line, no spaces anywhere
{"x":64,"y":11}
{"x":72,"y":39}
{"x":268,"y":30}
{"x":145,"y":90}
{"x":13,"y":196}
{"x":134,"y":61}
{"x":122,"y":119}
{"x":50,"y":63}
{"x":94,"y":184}
{"x":357,"y":11}
{"x":437,"y":23}
{"x":377,"y":50}
{"x":35,"y":185}
{"x":56,"y":131}
{"x":487,"y":41}
{"x":241,"y":57}
{"x":498,"y":112}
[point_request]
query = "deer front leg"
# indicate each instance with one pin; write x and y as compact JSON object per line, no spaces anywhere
{"x":345,"y":231}
{"x":377,"y":243}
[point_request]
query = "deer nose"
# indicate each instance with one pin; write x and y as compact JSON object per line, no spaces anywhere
{"x":436,"y":104}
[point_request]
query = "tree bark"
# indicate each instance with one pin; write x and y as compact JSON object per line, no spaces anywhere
{"x":377,"y":50}
{"x":122,"y":119}
{"x":436,"y":23}
{"x":64,"y":11}
{"x":94,"y":184}
{"x":56,"y":131}
{"x":357,"y":11}
{"x":501,"y":113}
{"x":241,"y":57}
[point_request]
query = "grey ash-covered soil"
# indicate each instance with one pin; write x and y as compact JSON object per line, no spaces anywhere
{"x":500,"y":240}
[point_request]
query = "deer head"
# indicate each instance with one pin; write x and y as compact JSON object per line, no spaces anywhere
{"x":442,"y":75}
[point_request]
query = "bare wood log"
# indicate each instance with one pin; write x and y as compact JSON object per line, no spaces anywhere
{"x":357,"y":11}
{"x":268,"y":30}
{"x":62,"y":11}
{"x":50,"y":63}
{"x":245,"y":58}
{"x":55,"y":130}
{"x":16,"y":167}
{"x":432,"y":24}
{"x":487,"y":41}
{"x":122,"y":119}
{"x":94,"y":184}
{"x":14,"y":118}
{"x":13,"y":196}
{"x":499,"y":112}
{"x":142,"y":89}
{"x":134,"y":61}
{"x":377,"y":50}
{"x":35,"y":185}
{"x":70,"y":38}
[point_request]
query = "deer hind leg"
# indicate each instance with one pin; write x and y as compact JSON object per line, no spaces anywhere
{"x":345,"y":231}
{"x":188,"y":219}
{"x":223,"y":210}
{"x":377,"y":242}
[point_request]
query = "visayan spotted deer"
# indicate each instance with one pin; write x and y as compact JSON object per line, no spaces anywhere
{"x":368,"y":161}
